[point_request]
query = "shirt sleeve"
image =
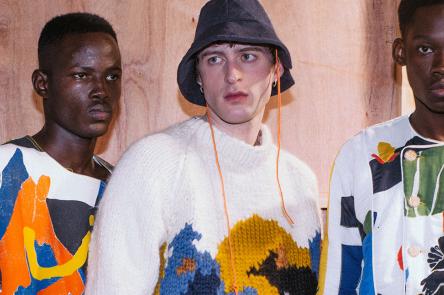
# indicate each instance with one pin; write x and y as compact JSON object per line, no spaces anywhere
{"x":130,"y":227}
{"x":341,"y":261}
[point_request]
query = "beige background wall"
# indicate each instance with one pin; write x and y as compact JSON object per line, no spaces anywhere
{"x":341,"y":49}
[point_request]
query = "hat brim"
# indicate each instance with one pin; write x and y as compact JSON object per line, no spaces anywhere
{"x":251,"y":34}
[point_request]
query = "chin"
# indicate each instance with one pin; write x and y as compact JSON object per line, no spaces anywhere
{"x":237,"y":119}
{"x":96,"y":132}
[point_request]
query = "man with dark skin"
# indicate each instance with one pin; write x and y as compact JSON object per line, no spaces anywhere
{"x":52,"y":181}
{"x":386,"y":212}
{"x":421,"y":51}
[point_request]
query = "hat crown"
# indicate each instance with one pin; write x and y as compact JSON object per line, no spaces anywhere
{"x":234,"y":11}
{"x":230,"y":21}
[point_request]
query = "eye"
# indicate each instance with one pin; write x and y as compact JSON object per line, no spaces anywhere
{"x":425,"y":50}
{"x":248,"y":57}
{"x":112,"y":77}
{"x":213,"y":60}
{"x":79,"y":76}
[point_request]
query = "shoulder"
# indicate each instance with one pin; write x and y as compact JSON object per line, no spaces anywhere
{"x":22,"y":142}
{"x":299,"y":168}
{"x":162,"y":145}
{"x":12,"y":152}
{"x":162,"y":151}
{"x":363,"y":144}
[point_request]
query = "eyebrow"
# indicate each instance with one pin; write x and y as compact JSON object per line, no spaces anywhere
{"x":419,"y":37}
{"x":253,"y":48}
{"x":210,"y":52}
{"x":423,"y":37}
{"x":242,"y":49}
{"x":87,"y":68}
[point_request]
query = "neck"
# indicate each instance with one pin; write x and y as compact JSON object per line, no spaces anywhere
{"x":71,"y":151}
{"x":427,"y":123}
{"x":247,"y":131}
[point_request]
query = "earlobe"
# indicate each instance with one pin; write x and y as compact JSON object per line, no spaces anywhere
{"x":398,"y":52}
{"x":199,"y":80}
{"x":40,"y":83}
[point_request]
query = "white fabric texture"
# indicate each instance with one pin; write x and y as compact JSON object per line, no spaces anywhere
{"x":379,"y":242}
{"x":169,"y":180}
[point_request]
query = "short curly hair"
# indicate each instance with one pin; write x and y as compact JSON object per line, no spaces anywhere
{"x":72,"y":23}
{"x":407,"y":9}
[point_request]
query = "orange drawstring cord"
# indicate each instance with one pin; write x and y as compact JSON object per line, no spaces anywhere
{"x":227,"y":216}
{"x":216,"y":154}
{"x":284,"y":210}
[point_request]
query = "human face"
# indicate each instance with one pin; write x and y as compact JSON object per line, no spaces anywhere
{"x":236,"y":81}
{"x":81,"y":84}
{"x":422,"y":51}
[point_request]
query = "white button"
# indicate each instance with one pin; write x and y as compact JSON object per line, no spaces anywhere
{"x":414,"y":251}
{"x":410,"y":155}
{"x":414,"y":201}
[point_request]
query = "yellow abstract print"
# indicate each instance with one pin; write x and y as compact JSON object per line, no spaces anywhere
{"x":258,"y":244}
{"x":34,"y":259}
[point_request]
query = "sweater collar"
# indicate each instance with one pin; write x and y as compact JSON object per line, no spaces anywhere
{"x":234,"y":153}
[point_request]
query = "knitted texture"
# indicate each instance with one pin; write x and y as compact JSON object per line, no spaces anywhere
{"x":166,"y":189}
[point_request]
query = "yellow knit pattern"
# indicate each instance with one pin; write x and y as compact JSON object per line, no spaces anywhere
{"x":323,"y":266}
{"x":324,"y":248}
{"x":161,"y":267}
{"x":252,"y":242}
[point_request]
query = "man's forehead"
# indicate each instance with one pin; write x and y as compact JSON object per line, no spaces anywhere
{"x":83,"y":50}
{"x":427,"y":20}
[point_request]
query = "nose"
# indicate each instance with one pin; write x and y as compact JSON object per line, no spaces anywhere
{"x":233,"y":73}
{"x":100,"y":89}
{"x":438,"y":64}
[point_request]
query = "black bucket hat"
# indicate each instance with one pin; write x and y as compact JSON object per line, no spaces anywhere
{"x":239,"y":21}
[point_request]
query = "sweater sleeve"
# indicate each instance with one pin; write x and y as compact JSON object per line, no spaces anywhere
{"x":130,"y":226}
{"x":306,"y":213}
{"x":342,"y":246}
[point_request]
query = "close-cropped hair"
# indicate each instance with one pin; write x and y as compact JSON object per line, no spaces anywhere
{"x":72,"y":23}
{"x":407,"y":9}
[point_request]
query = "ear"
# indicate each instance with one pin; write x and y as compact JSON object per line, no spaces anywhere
{"x":398,"y":52}
{"x":40,"y":83}
{"x":281,"y":70}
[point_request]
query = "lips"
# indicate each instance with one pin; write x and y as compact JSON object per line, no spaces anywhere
{"x":235,"y":96}
{"x":437,"y":88}
{"x":437,"y":85}
{"x":100,"y":112}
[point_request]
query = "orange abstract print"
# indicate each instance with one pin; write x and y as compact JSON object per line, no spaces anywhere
{"x":30,"y":227}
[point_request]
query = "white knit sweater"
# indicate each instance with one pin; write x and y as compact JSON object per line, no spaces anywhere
{"x":166,"y":190}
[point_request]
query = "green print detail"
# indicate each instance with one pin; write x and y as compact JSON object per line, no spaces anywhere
{"x":368,"y":223}
{"x":425,"y":195}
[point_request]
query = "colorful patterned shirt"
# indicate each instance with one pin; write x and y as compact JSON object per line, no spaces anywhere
{"x":46,"y":215}
{"x":385,"y":219}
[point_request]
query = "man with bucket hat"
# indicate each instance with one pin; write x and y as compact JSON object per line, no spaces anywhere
{"x":229,"y":211}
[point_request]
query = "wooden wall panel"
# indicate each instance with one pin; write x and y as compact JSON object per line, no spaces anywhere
{"x":345,"y":78}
